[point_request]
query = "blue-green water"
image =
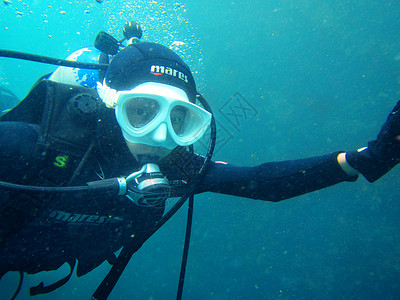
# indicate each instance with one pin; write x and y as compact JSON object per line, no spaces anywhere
{"x":322,"y":75}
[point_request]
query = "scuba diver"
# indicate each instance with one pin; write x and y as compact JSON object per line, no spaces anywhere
{"x":87,"y":169}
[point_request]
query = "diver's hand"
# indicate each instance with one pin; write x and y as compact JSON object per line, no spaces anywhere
{"x":382,"y":154}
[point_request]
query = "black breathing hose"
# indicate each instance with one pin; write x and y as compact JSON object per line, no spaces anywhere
{"x":51,"y":60}
{"x":106,"y":185}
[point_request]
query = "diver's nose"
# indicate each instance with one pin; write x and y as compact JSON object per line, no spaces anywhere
{"x":160,"y":133}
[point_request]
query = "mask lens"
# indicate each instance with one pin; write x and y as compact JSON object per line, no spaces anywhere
{"x":178,"y":117}
{"x":141,"y":111}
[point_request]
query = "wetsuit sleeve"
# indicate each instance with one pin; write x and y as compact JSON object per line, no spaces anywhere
{"x":275,"y":181}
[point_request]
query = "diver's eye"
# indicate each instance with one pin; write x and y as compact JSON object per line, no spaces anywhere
{"x":178,"y":114}
{"x":176,"y":120}
{"x":141,"y":111}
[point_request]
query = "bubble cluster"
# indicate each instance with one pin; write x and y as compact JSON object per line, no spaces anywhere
{"x":163,"y":22}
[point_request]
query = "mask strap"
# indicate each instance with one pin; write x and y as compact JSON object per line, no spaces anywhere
{"x":107,"y":94}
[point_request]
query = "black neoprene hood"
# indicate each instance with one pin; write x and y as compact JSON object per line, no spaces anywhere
{"x":149,"y":62}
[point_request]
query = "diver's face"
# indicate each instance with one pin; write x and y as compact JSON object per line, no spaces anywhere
{"x":140,"y":112}
{"x":138,"y":150}
{"x":155,"y":118}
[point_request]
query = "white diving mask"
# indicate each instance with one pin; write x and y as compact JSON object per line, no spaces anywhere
{"x":156,"y":114}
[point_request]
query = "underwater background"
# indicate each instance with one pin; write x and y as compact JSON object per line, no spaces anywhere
{"x":314,"y":77}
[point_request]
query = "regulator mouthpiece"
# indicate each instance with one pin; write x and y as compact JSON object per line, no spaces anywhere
{"x":148,"y":187}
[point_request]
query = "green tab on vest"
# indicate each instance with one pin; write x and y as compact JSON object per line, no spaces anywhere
{"x":57,"y":167}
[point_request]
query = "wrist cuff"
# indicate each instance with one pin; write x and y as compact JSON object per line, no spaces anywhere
{"x":349,"y":170}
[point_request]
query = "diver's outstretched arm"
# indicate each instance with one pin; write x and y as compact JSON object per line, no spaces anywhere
{"x":276,"y":181}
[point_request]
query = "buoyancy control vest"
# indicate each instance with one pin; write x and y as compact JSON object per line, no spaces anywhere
{"x":65,"y":117}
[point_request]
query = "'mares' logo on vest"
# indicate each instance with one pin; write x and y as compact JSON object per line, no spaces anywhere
{"x":160,"y":70}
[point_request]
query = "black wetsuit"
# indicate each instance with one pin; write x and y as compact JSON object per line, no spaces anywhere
{"x":91,"y":228}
